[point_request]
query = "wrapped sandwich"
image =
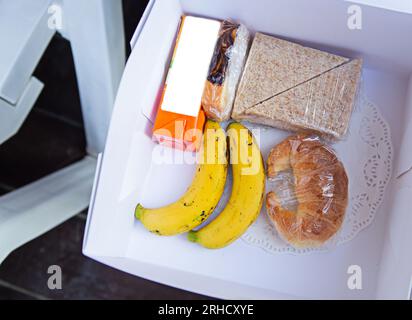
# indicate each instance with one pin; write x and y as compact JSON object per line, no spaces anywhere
{"x":225,"y":70}
{"x":297,"y":88}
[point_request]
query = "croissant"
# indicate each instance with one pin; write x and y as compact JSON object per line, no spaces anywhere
{"x":320,"y":189}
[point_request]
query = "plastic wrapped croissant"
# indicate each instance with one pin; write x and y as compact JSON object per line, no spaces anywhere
{"x":309,"y":197}
{"x":225,"y":70}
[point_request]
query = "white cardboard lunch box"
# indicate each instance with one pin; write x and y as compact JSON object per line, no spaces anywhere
{"x":126,"y":173}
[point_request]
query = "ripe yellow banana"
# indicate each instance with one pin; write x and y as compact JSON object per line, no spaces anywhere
{"x":202,"y":196}
{"x":248,"y":189}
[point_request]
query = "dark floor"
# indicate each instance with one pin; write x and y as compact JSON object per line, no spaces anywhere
{"x":51,"y":138}
{"x":23,"y":275}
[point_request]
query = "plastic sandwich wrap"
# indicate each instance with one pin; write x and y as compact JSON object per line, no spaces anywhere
{"x":225,"y":70}
{"x":308,"y":192}
{"x":323,"y":105}
{"x":297,"y":88}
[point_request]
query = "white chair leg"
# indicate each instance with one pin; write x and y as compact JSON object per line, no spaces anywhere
{"x":95,"y":30}
{"x":25,"y":35}
{"x":42,"y":205}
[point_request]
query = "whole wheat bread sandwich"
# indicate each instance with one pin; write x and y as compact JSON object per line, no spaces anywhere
{"x":297,"y":88}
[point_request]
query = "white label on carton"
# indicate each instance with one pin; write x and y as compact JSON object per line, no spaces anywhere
{"x":190,"y":65}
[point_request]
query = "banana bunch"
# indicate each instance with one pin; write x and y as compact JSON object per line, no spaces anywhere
{"x":201,"y":197}
{"x":207,"y":187}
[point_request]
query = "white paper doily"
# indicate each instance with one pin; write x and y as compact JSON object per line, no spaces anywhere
{"x":367,"y":155}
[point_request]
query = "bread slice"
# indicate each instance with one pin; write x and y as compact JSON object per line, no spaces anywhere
{"x":297,"y":88}
{"x":323,"y":104}
{"x":275,"y":65}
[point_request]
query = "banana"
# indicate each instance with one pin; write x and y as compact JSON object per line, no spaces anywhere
{"x":246,"y":198}
{"x":201,"y":197}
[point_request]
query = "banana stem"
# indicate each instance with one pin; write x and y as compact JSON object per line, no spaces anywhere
{"x":138,"y":211}
{"x":192,"y":236}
